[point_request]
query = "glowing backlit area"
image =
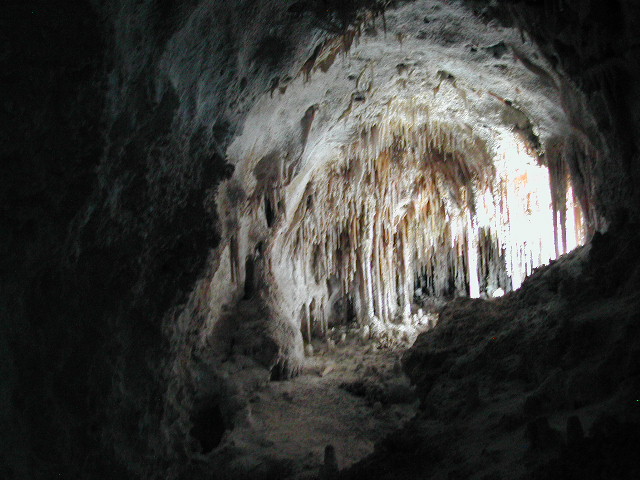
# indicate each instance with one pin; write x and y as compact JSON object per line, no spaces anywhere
{"x":526,"y":220}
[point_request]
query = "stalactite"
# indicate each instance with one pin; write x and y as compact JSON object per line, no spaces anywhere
{"x":414,"y":201}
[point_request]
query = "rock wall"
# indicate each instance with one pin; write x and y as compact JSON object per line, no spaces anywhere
{"x":51,"y":142}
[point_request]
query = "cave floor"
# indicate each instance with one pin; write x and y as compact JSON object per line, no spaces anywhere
{"x":350,"y":394}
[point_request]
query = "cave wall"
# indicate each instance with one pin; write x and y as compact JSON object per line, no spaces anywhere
{"x":116,"y":123}
{"x":102,"y":232}
{"x":52,"y":103}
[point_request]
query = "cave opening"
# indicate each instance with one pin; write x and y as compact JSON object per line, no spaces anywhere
{"x":402,"y":174}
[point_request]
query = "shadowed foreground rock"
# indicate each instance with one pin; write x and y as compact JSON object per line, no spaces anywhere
{"x":546,"y":360}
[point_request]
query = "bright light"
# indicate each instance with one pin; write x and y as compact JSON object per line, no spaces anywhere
{"x":518,"y":210}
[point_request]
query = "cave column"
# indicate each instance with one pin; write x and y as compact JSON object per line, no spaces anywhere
{"x":407,"y":278}
{"x":377,"y":270}
{"x":472,"y":257}
{"x":365,"y":262}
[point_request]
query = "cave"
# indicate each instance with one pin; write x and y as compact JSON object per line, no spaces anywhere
{"x":320,"y":239}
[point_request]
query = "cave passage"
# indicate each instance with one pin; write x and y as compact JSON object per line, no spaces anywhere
{"x":240,"y":234}
{"x":376,"y":180}
{"x":391,"y":175}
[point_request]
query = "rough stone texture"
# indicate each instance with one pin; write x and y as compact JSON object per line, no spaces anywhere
{"x":500,"y":380}
{"x":133,"y":136}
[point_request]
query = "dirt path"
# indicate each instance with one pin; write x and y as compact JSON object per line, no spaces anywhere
{"x":349,"y":395}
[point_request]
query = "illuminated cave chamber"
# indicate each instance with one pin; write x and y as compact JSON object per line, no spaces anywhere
{"x":415,"y":210}
{"x":383,"y":174}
